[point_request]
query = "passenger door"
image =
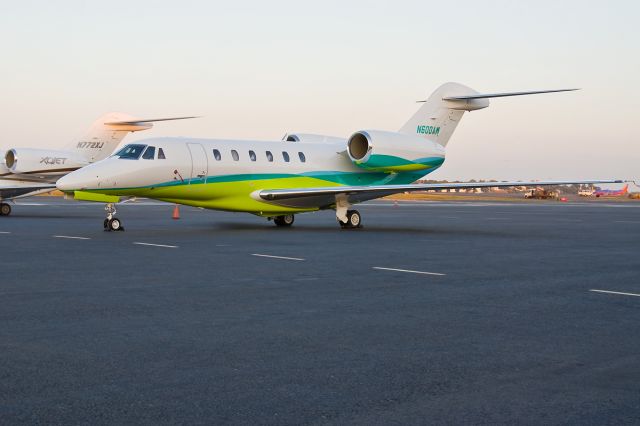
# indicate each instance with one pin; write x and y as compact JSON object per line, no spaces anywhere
{"x":199,"y":163}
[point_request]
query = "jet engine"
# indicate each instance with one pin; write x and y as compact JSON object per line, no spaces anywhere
{"x":393,"y":152}
{"x":3,"y":168}
{"x":41,"y":161}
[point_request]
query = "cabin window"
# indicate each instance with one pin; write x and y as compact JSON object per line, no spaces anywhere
{"x":216,"y":155}
{"x":252,"y":155}
{"x":235,"y":155}
{"x":285,"y":155}
{"x":149,"y":153}
{"x":131,"y":152}
{"x":302,"y":157}
{"x":270,"y":156}
{"x":161,"y":154}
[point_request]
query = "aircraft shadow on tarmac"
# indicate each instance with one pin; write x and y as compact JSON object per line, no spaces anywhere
{"x":372,"y":229}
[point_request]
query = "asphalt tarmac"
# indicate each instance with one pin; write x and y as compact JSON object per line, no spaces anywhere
{"x":433,"y":313}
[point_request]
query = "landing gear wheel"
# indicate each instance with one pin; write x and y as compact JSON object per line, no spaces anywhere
{"x":5,"y":209}
{"x":354,"y":220}
{"x":285,"y":220}
{"x":111,"y":223}
{"x":114,"y":224}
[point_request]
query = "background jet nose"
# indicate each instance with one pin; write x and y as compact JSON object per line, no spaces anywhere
{"x":74,"y":181}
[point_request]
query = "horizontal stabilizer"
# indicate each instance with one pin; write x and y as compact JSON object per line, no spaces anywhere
{"x":502,"y":95}
{"x":134,"y":122}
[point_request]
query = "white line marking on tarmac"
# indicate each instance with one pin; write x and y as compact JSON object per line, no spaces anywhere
{"x":155,"y":245}
{"x":409,"y":271}
{"x":627,"y":221}
{"x":5,"y":232}
{"x":223,"y":245}
{"x":69,"y":237}
{"x":276,"y":257}
{"x":615,"y":292}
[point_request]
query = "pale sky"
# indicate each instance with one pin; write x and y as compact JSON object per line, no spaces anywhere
{"x":259,"y":69}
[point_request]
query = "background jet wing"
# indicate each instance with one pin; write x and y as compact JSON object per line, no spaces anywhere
{"x":20,"y":189}
{"x":326,"y":197}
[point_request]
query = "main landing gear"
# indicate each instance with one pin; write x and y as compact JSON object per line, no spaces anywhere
{"x":5,"y":209}
{"x":284,"y":220}
{"x":348,"y":219}
{"x":112,"y":223}
{"x":354,"y":220}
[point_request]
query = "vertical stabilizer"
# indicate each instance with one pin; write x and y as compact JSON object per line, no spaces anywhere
{"x":103,"y":138}
{"x":106,"y":133}
{"x":437,"y":118}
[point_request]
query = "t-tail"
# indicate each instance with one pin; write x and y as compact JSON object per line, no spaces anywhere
{"x":106,"y":133}
{"x":441,"y":112}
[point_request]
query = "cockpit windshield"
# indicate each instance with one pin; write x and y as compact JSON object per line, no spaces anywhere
{"x":149,"y":153}
{"x":130,"y":152}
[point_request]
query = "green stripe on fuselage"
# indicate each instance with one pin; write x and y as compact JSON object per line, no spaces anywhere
{"x":391,"y":163}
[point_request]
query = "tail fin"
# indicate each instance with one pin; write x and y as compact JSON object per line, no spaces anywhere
{"x":106,"y":133}
{"x":438,"y":117}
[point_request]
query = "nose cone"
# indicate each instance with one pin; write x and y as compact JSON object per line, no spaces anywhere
{"x":79,"y":180}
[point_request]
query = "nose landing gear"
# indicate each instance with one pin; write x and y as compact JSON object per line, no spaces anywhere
{"x":112,"y":223}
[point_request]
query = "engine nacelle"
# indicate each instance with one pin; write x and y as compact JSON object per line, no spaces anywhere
{"x":313,"y":138}
{"x":3,"y":168}
{"x":30,"y":160}
{"x":383,"y":151}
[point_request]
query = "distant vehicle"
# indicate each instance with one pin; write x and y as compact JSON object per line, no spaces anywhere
{"x":586,"y":192}
{"x":541,"y":194}
{"x":612,"y":193}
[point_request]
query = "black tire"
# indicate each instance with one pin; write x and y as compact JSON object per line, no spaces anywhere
{"x":115,"y":225}
{"x":5,"y":209}
{"x":284,"y":221}
{"x":354,"y":220}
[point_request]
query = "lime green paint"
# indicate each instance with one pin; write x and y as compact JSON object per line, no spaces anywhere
{"x":93,"y":196}
{"x":233,"y":192}
{"x":229,"y":196}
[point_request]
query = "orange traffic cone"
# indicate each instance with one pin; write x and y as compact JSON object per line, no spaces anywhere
{"x":176,"y":213}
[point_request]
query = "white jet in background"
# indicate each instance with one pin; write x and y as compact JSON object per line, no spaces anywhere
{"x":29,"y":171}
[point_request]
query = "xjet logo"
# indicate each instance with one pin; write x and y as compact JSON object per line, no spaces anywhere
{"x":428,"y":130}
{"x":53,"y":160}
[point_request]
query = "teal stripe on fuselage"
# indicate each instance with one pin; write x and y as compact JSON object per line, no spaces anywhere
{"x":343,"y":178}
